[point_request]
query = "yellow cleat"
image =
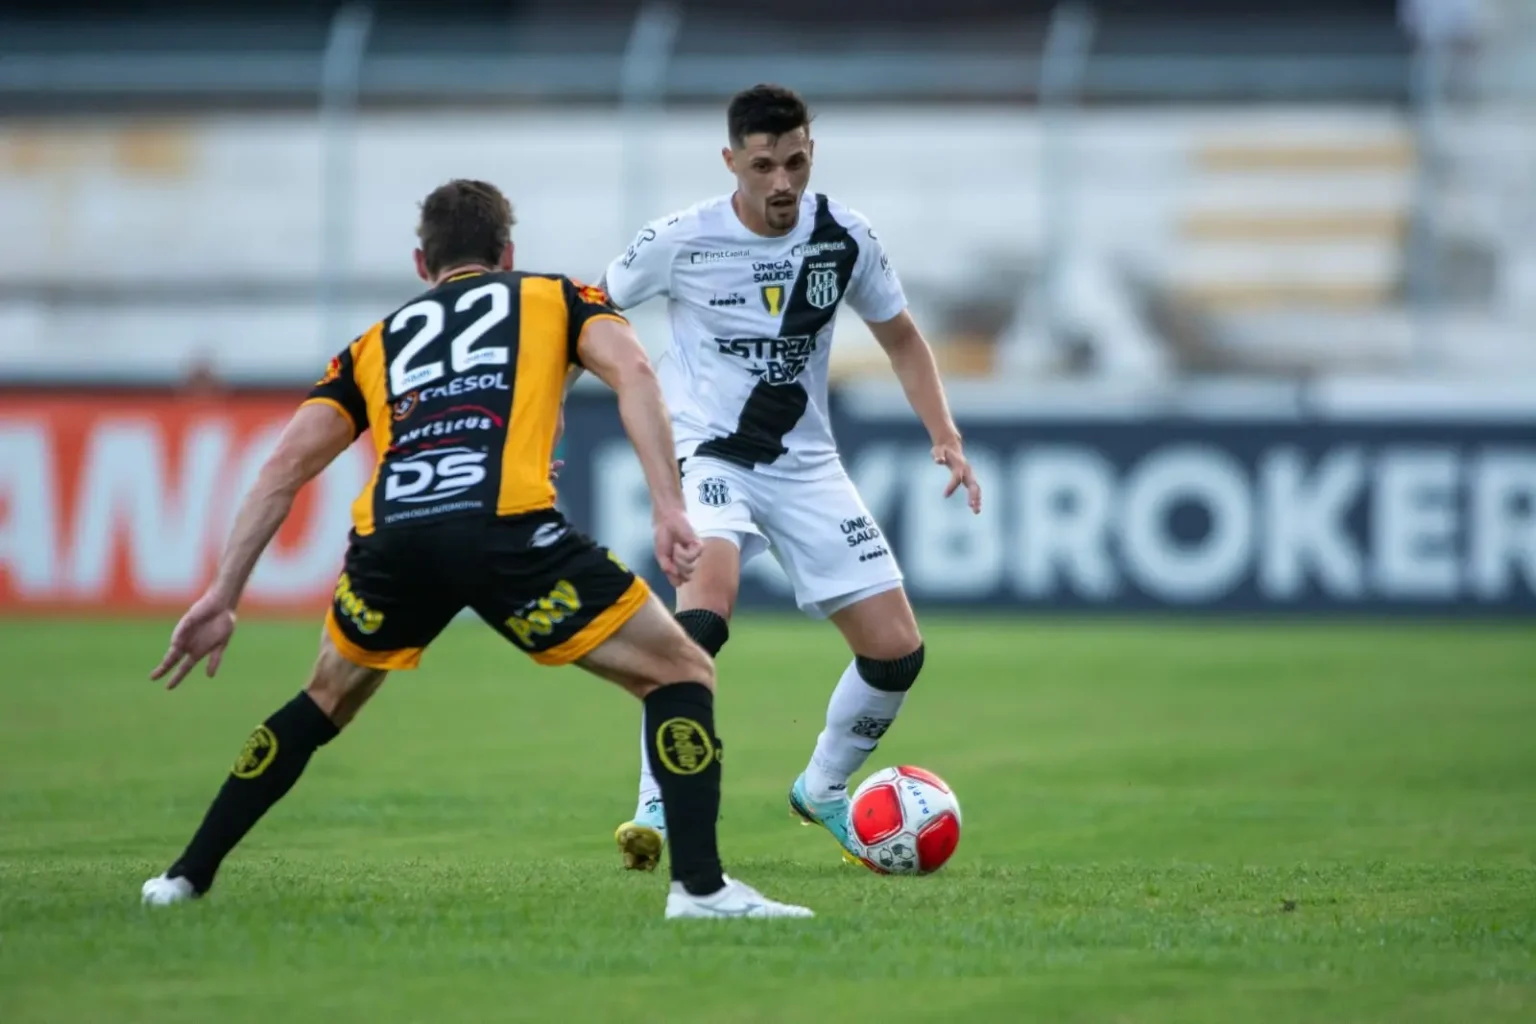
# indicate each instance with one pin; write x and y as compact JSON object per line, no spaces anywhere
{"x":640,"y":844}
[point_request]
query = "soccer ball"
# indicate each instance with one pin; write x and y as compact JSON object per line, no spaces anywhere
{"x":907,"y":821}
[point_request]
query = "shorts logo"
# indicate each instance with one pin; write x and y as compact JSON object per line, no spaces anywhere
{"x":365,"y":619}
{"x":257,"y":755}
{"x":714,"y":492}
{"x":821,"y":288}
{"x":773,"y":298}
{"x":684,"y":746}
{"x":539,"y":618}
{"x":616,"y":560}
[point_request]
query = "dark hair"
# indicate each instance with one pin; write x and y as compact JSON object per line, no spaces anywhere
{"x":464,"y":221}
{"x":766,"y":109}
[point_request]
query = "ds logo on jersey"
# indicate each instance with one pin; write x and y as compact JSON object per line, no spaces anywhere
{"x":434,"y":475}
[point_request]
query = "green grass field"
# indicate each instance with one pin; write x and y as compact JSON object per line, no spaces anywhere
{"x":1163,"y":823}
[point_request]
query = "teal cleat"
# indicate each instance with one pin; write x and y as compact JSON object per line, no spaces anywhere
{"x":642,"y":839}
{"x":831,"y":815}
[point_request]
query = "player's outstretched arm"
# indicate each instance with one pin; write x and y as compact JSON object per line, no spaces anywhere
{"x":313,"y":439}
{"x":315,"y":436}
{"x":611,"y":351}
{"x":912,"y":359}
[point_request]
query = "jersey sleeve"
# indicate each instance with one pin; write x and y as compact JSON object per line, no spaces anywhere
{"x":875,"y":292}
{"x":337,"y":387}
{"x":585,"y":303}
{"x":644,"y":271}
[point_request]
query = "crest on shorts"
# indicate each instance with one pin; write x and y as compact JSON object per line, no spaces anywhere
{"x":714,"y":492}
{"x":821,"y":288}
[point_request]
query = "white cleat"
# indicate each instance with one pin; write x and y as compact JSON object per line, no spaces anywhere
{"x":162,"y":891}
{"x":735,"y":899}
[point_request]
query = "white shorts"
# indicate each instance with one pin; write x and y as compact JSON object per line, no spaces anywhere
{"x":833,"y":552}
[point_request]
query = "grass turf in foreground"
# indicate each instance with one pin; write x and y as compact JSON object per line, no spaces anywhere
{"x":1163,"y":823}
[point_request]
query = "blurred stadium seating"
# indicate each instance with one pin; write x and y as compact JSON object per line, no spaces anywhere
{"x":1135,"y":190}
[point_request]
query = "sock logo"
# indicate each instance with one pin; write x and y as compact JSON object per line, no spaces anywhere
{"x":871,"y":728}
{"x":684,"y":747}
{"x":257,"y":754}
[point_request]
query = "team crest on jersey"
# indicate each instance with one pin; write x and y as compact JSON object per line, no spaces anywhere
{"x":821,"y":288}
{"x":773,"y":298}
{"x":592,"y":295}
{"x":714,"y":492}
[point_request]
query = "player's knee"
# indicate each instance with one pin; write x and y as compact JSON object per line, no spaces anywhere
{"x":694,"y":665}
{"x":706,"y":628}
{"x":339,"y":688}
{"x":894,"y":675}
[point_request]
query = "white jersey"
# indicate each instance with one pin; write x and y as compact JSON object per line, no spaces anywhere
{"x":752,"y":317}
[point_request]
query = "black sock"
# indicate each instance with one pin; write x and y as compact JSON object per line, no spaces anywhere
{"x":268,"y":766}
{"x":707,"y":629}
{"x":685,"y":758}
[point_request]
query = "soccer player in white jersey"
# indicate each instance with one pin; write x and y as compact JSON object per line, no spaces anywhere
{"x":754,"y":281}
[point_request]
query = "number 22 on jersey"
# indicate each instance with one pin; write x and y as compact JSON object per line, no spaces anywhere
{"x":462,"y":355}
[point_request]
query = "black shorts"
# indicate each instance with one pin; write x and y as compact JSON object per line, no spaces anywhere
{"x":536,"y":580}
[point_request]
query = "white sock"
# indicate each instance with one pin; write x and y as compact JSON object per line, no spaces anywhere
{"x":857,"y":716}
{"x":649,"y":791}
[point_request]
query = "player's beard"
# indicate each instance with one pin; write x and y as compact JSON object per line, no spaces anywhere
{"x":781,"y":212}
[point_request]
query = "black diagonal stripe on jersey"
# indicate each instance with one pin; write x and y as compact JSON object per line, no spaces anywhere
{"x":772,"y":410}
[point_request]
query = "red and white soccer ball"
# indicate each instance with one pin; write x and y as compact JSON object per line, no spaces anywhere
{"x":907,"y":820}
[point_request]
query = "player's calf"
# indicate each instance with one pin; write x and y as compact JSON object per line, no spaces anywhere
{"x":888,"y":658}
{"x":642,"y":838}
{"x":675,"y":680}
{"x":865,"y":703}
{"x":273,"y":758}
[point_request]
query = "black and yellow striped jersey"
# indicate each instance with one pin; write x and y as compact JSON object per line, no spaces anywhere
{"x":462,"y":389}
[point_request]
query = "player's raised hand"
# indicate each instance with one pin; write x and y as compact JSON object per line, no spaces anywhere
{"x":949,"y":454}
{"x":203,"y":632}
{"x":677,"y":547}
